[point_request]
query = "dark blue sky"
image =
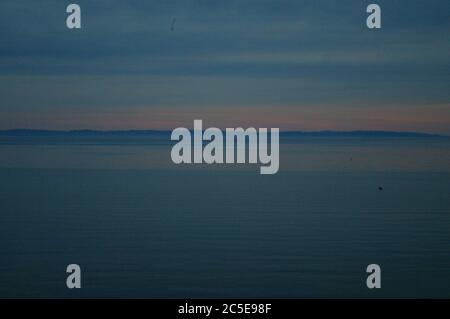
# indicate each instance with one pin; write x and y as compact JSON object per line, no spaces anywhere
{"x":293,"y":64}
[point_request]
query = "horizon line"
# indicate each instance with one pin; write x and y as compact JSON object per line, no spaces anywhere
{"x":156,"y":131}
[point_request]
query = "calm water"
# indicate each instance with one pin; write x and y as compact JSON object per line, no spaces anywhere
{"x":142,"y":227}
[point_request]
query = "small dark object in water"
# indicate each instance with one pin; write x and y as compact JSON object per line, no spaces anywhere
{"x":380,"y":188}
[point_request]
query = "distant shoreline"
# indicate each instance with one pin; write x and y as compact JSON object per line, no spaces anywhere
{"x":125,"y":133}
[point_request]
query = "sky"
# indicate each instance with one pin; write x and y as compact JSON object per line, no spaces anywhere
{"x":293,"y":64}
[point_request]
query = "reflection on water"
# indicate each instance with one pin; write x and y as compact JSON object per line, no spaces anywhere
{"x":296,"y":154}
{"x":185,"y":231}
